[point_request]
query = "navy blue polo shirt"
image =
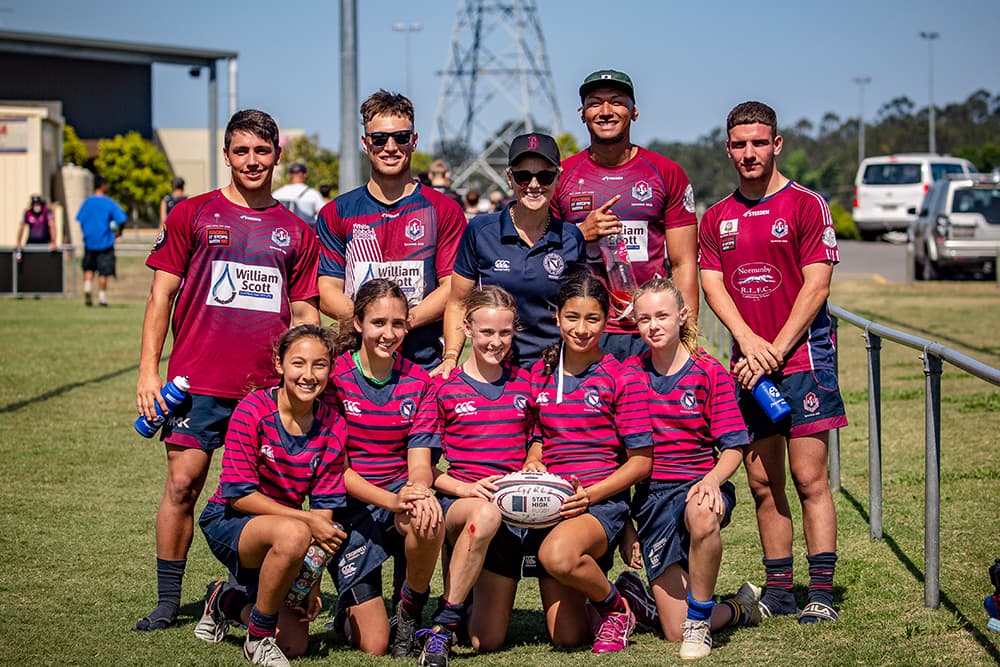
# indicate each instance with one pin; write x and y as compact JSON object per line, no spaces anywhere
{"x":492,"y":253}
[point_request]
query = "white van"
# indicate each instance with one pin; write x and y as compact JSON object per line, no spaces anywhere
{"x":888,"y":189}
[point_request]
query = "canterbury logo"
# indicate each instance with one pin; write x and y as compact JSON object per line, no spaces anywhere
{"x":352,"y":408}
{"x":467,"y":408}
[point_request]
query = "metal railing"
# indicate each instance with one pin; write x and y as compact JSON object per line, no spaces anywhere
{"x":933,"y":356}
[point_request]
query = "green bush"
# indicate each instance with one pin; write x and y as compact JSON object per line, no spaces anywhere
{"x":843,"y":222}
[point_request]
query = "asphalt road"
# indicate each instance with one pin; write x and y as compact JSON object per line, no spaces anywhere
{"x":878,"y":261}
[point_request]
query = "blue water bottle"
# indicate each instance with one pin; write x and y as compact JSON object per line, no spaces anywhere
{"x":173,"y":393}
{"x":771,"y":401}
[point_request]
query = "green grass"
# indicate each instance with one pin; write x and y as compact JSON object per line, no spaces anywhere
{"x":79,"y":492}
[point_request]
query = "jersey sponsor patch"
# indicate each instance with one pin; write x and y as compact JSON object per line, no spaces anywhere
{"x":408,"y":274}
{"x":466,"y":408}
{"x":580,"y":203}
{"x":729,"y":227}
{"x":160,"y":241}
{"x":829,"y":237}
{"x":217,"y":236}
{"x":728,"y":244}
{"x":636,"y":235}
{"x":415,"y":229}
{"x":689,"y":205}
{"x":501,"y":266}
{"x":281,"y":238}
{"x":756,"y":280}
{"x":554,"y":265}
{"x":236,"y":285}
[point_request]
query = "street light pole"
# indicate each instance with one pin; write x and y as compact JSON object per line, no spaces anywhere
{"x":931,"y":139}
{"x":862,"y":81}
{"x":408,"y":30}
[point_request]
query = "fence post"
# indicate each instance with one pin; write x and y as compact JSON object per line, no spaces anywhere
{"x":874,"y":344}
{"x":833,"y":445}
{"x":911,"y":268}
{"x":932,"y":480}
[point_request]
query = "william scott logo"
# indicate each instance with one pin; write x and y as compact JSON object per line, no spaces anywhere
{"x":641,"y":191}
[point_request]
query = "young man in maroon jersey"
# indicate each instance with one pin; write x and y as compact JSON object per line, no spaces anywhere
{"x":766,"y":255}
{"x":616,"y":187}
{"x":236,"y":269}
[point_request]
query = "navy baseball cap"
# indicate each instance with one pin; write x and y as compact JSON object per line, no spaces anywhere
{"x":535,"y":143}
{"x":607,"y":77}
{"x":297,"y":168}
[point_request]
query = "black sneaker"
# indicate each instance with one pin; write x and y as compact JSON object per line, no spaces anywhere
{"x":404,"y":643}
{"x":437,"y":642}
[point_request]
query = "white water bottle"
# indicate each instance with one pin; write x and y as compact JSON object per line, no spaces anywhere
{"x":621,"y":278}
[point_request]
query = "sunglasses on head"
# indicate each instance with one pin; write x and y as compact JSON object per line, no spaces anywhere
{"x":380,"y":139}
{"x":523,"y":176}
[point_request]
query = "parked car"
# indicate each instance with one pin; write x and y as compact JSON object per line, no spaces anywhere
{"x":958,"y":227}
{"x":888,"y":189}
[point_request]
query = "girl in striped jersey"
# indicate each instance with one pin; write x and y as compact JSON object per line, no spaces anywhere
{"x":688,"y":499}
{"x":388,"y":404}
{"x":483,"y":413}
{"x":282,"y":446}
{"x":593,"y":428}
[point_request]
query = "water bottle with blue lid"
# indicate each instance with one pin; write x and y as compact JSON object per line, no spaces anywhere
{"x":173,"y":393}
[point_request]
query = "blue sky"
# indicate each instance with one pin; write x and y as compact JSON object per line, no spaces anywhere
{"x":691,"y":61}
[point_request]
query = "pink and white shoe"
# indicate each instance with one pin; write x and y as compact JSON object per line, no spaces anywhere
{"x":614,"y":630}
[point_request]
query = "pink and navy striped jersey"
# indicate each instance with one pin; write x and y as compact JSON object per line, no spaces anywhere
{"x":383,"y":422}
{"x":602,"y":413}
{"x":241,"y":269}
{"x":760,"y":248}
{"x":694,"y":415}
{"x":412,"y":241}
{"x":656,"y":195}
{"x":261,"y":456}
{"x":484,"y":426}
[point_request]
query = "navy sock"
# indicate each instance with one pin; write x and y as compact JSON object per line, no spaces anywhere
{"x":169,"y":574}
{"x":411,"y":601}
{"x":450,"y":615}
{"x":821,"y":567}
{"x":261,"y":625}
{"x":778,"y":594}
{"x":614,"y":602}
{"x":699,"y":611}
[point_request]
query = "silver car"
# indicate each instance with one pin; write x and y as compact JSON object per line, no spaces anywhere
{"x":958,"y":227}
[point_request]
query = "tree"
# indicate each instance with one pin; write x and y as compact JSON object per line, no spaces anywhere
{"x":567,"y":145}
{"x":74,"y":151}
{"x":137,"y":172}
{"x":323,"y":164}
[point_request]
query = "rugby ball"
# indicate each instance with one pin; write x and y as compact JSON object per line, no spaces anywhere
{"x":531,"y":499}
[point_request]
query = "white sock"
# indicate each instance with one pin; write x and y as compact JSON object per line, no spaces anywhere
{"x":87,"y":285}
{"x":102,"y":296}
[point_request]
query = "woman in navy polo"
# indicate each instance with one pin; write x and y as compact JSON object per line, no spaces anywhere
{"x":521,"y":248}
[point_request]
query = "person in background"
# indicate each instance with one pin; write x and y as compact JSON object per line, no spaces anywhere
{"x":102,"y":221}
{"x":37,"y":224}
{"x":324,"y":191}
{"x":471,"y":203}
{"x":298,"y":197}
{"x":175,"y":197}
{"x":439,"y":177}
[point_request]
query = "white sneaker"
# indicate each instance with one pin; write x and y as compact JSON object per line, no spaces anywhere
{"x":211,"y":627}
{"x":264,"y":652}
{"x":697,"y":640}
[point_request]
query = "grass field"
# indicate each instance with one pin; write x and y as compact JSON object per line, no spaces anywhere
{"x":79,"y":492}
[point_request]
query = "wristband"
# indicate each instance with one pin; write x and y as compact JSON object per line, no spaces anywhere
{"x":449,"y":353}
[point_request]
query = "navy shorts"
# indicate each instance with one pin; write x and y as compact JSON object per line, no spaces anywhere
{"x":612,"y":513}
{"x":222,"y":526}
{"x":505,"y":553}
{"x":622,"y":345}
{"x":371,"y":539}
{"x":199,"y":422}
{"x":658,"y":510}
{"x":101,"y":261}
{"x":814,"y":397}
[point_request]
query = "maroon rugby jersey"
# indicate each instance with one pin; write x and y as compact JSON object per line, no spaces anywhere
{"x":760,"y":248}
{"x":602,"y":413}
{"x":656,"y":195}
{"x":261,"y":456}
{"x":694,"y":414}
{"x":241,"y":269}
{"x":484,"y":425}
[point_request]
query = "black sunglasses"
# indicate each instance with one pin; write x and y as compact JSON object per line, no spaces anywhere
{"x":523,"y":177}
{"x":380,"y":139}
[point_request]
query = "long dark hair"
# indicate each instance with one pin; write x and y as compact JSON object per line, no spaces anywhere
{"x":285,"y":340}
{"x":578,"y":284}
{"x":369,"y":293}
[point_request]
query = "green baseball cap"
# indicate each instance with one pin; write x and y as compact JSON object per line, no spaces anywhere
{"x":607,"y":77}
